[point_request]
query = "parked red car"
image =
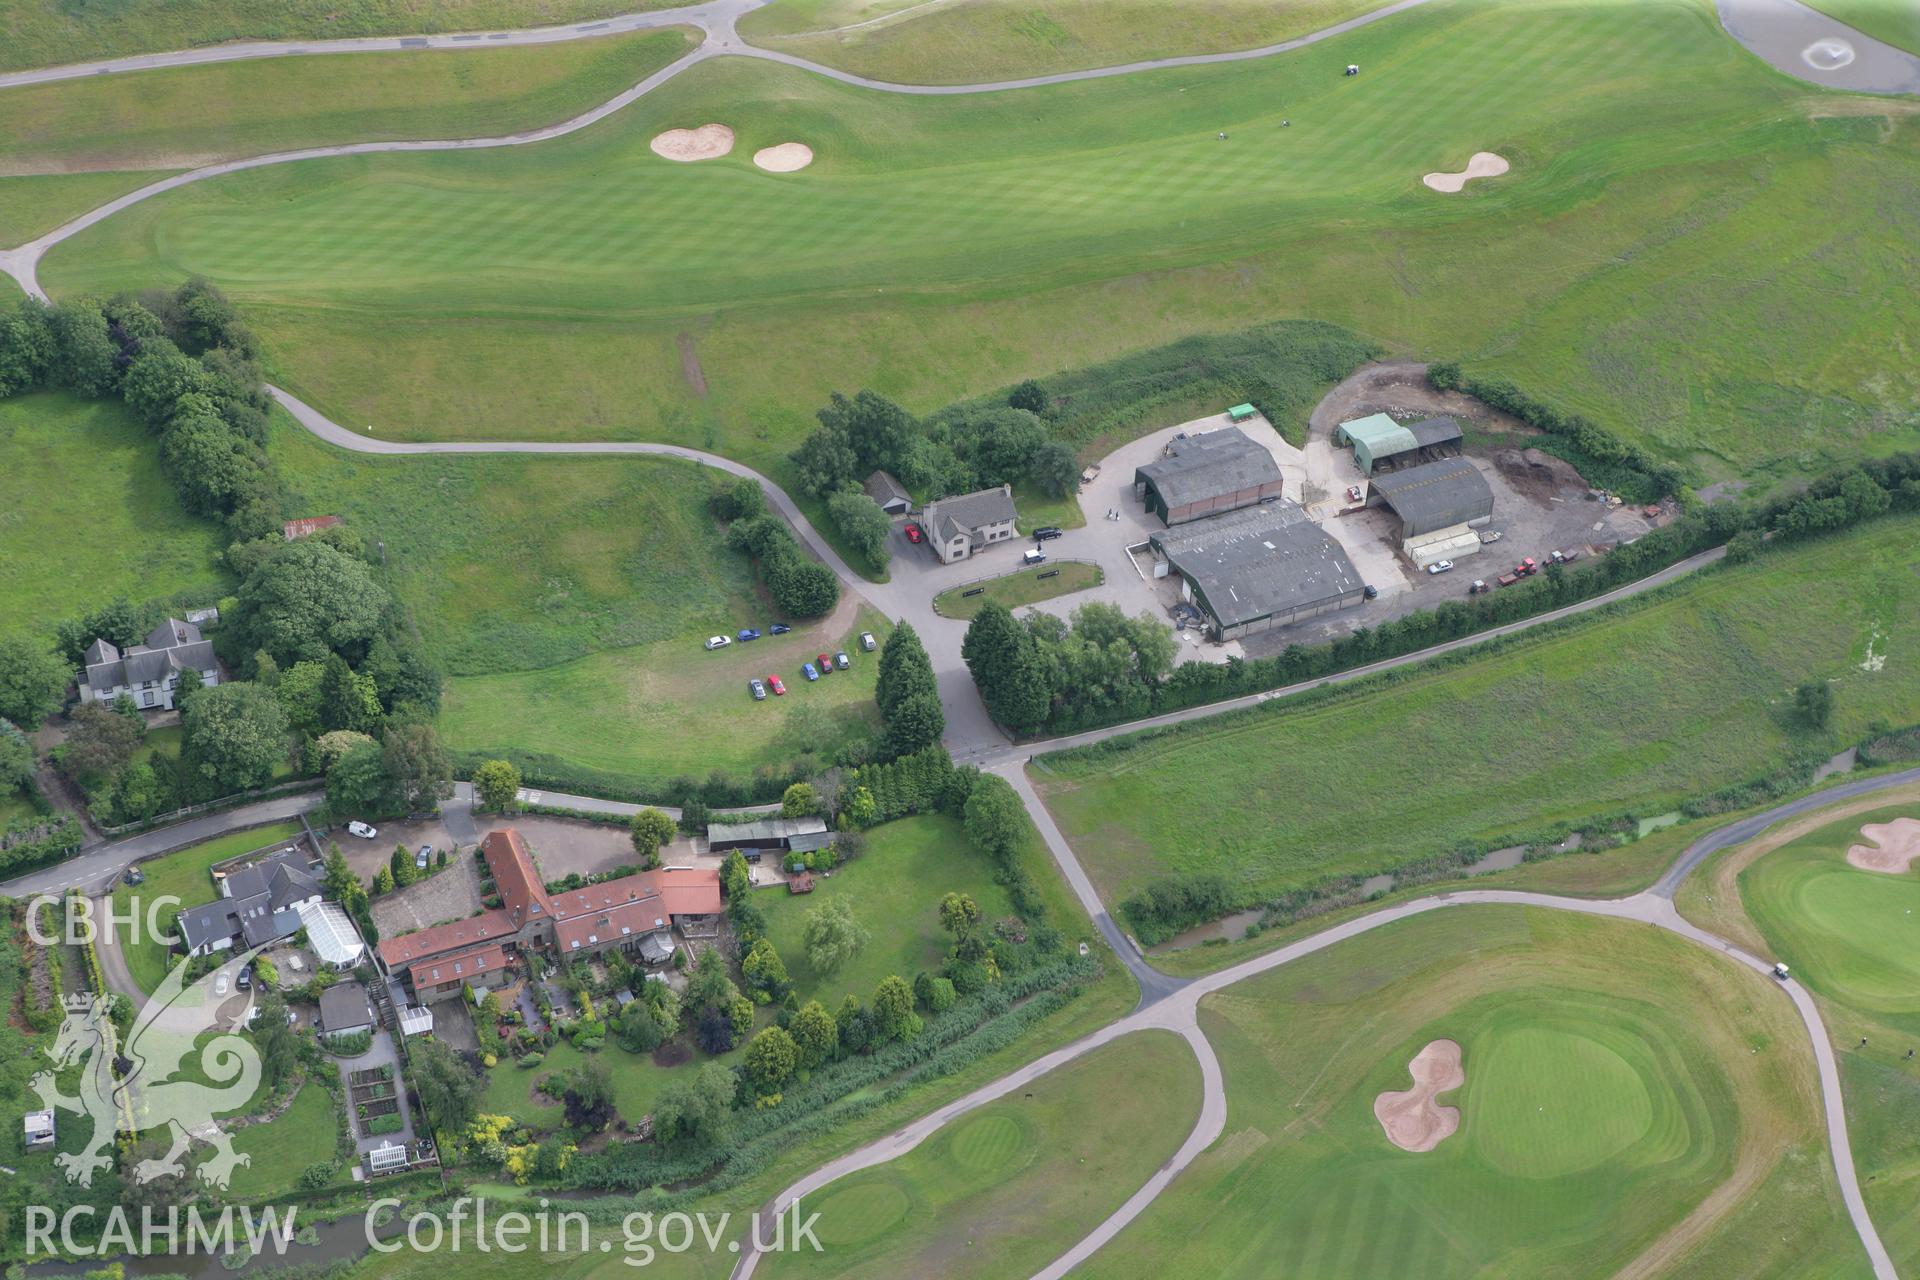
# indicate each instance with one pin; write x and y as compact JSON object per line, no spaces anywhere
{"x":773,"y":683}
{"x":824,"y":663}
{"x":913,"y":532}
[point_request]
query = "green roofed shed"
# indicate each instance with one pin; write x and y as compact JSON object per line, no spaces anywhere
{"x":1241,"y":412}
{"x":1374,"y":437}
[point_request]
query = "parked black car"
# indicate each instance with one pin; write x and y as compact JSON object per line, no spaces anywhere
{"x":1045,"y":532}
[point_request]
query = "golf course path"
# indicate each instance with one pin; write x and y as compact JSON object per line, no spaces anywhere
{"x":1787,"y":34}
{"x":1179,"y":1011}
{"x":719,"y":13}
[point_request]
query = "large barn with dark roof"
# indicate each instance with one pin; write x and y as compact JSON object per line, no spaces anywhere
{"x":1206,"y":474}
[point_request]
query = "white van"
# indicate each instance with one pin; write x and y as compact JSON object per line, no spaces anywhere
{"x":1036,"y":556}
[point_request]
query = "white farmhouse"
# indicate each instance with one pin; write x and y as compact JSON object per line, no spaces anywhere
{"x":149,"y":673}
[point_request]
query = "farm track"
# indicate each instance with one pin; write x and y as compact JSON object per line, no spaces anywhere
{"x":1768,"y":28}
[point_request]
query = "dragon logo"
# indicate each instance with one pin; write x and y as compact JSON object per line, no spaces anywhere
{"x":145,"y":1085}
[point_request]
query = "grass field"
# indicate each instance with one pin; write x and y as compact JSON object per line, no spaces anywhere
{"x":189,"y":116}
{"x":518,"y":563}
{"x":85,"y":515}
{"x":1615,"y":1077}
{"x":968,"y":41}
{"x":1893,"y":21}
{"x":1634,"y":709}
{"x":672,"y":709}
{"x":1004,"y":1190}
{"x":568,"y":599}
{"x":1849,"y":936}
{"x":38,"y":33}
{"x":894,"y":891}
{"x":1027,"y":586}
{"x":941,"y":247}
{"x":183,"y":875}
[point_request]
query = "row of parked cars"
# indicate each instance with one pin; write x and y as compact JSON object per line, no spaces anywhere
{"x":822,"y":665}
{"x":747,"y":633}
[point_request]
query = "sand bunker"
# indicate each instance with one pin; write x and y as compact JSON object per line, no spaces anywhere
{"x":1484,"y":164}
{"x":1899,"y":843}
{"x":1413,"y":1120}
{"x":784,"y":158}
{"x":708,"y":142}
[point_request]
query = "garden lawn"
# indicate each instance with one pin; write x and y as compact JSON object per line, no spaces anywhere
{"x":894,"y":890}
{"x":1851,"y":937}
{"x":39,"y":33}
{"x":183,"y":875}
{"x":281,"y":1150}
{"x":85,"y":515}
{"x":1636,"y":707}
{"x":1003,"y":1190}
{"x":673,"y":709}
{"x":1028,"y":586}
{"x":1615,"y":1076}
{"x":636,"y":1083}
{"x":969,"y":41}
{"x":940,"y":247}
{"x":189,"y":116}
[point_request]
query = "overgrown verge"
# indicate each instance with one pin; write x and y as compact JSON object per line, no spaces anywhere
{"x":838,"y":1093}
{"x":1603,"y":458}
{"x":1174,"y":904}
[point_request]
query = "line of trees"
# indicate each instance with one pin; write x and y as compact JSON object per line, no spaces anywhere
{"x":1035,"y":671}
{"x":800,"y":587}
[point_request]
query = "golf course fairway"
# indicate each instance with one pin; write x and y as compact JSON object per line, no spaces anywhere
{"x":1853,"y":938}
{"x":1002,"y":1190}
{"x":1630,"y":1102}
{"x":940,"y":247}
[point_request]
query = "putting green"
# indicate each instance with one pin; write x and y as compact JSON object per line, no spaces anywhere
{"x":1004,"y":1190}
{"x":1849,"y":934}
{"x":1549,"y":1098}
{"x":1616,"y":1078}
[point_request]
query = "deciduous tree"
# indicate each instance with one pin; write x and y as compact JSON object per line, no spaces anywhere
{"x":832,"y":936}
{"x":33,"y":681}
{"x":497,"y":784}
{"x":233,"y":737}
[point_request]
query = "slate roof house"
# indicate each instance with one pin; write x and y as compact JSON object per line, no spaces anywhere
{"x":958,"y":527}
{"x":481,"y":952}
{"x":149,"y":672}
{"x":258,"y":904}
{"x":1206,"y":474}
